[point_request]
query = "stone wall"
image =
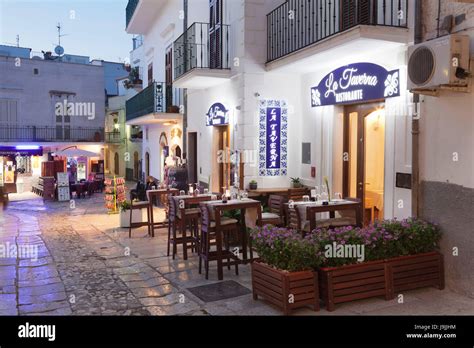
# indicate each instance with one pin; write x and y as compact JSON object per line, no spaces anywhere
{"x":448,"y":7}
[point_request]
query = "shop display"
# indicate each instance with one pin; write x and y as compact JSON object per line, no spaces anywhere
{"x":114,"y":194}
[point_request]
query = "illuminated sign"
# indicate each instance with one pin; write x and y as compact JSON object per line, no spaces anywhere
{"x":273,"y":138}
{"x":356,"y":83}
{"x":217,"y":115}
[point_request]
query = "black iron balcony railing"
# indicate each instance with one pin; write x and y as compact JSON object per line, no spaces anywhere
{"x":50,"y":134}
{"x":113,"y":137}
{"x":201,"y":46}
{"x":131,"y":7}
{"x":297,"y":24}
{"x":136,"y":134}
{"x":151,"y":100}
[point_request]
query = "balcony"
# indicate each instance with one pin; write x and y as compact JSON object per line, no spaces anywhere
{"x":201,"y":56}
{"x":298,"y":27}
{"x":136,"y":134}
{"x":140,"y":15}
{"x":130,"y":10}
{"x":50,"y":134}
{"x":152,"y":105}
{"x":113,"y":137}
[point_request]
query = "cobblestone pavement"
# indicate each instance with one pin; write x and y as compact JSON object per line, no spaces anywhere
{"x":86,"y":265}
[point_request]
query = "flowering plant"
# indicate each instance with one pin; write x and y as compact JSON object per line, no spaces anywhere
{"x":285,"y":249}
{"x":378,"y":241}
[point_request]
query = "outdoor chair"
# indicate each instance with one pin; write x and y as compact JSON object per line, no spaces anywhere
{"x":177,"y":221}
{"x":140,"y":206}
{"x":207,"y":239}
{"x":275,"y":216}
{"x":296,"y":194}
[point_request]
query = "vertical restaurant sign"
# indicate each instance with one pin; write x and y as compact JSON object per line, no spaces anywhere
{"x":160,"y":102}
{"x":273,"y":138}
{"x":217,"y":115}
{"x":355,"y":83}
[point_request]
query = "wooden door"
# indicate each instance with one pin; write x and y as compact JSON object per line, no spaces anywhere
{"x":355,"y":12}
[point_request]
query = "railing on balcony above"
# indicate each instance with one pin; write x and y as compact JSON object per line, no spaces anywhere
{"x":131,"y":7}
{"x":297,"y":24}
{"x":202,"y":46}
{"x":136,"y":134}
{"x":50,"y":134}
{"x":113,"y":137}
{"x":156,"y":98}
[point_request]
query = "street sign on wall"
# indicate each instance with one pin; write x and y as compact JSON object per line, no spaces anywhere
{"x":356,"y":83}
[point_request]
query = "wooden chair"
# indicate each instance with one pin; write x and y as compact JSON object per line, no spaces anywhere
{"x":207,"y":237}
{"x":296,"y":194}
{"x":276,"y":214}
{"x":179,"y":218}
{"x":136,"y":206}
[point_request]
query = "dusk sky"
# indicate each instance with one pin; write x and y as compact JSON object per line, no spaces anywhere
{"x":94,"y":28}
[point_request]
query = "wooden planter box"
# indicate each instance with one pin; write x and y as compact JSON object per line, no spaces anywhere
{"x":385,"y":278}
{"x":415,"y":271}
{"x":280,"y":288}
{"x":353,"y":282}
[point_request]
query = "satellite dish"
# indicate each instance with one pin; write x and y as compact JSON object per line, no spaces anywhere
{"x":59,"y":50}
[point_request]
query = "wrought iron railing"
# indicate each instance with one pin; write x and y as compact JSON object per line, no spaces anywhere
{"x":202,"y":46}
{"x":157,"y":97}
{"x":50,"y":134}
{"x":297,"y":24}
{"x":136,"y":134}
{"x":113,"y":137}
{"x":131,"y":7}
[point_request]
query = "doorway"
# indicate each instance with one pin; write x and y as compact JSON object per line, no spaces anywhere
{"x":192,"y":157}
{"x":221,"y":158}
{"x":364,"y":157}
{"x":116,"y":164}
{"x":135,"y":166}
{"x":147,"y":165}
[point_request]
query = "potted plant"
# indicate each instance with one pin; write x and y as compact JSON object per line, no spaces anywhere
{"x":125,"y":214}
{"x":284,"y":273}
{"x":381,"y":259}
{"x":296,"y":182}
{"x":252,"y":185}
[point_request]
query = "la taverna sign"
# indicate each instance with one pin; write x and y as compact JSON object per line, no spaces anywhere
{"x":355,"y":83}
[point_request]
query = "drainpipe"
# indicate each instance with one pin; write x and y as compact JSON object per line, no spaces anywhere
{"x":415,"y":125}
{"x":185,"y":91}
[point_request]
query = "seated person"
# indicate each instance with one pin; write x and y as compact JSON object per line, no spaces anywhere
{"x":138,"y":193}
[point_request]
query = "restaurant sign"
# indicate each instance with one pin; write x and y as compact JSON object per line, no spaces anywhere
{"x":356,"y":83}
{"x":217,"y":115}
{"x":273,"y":138}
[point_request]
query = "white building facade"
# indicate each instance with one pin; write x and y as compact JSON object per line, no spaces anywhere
{"x":248,"y":56}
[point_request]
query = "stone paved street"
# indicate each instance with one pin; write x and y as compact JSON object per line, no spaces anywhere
{"x":87,"y":266}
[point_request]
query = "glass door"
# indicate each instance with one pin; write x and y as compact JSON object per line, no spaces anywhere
{"x":363,"y":162}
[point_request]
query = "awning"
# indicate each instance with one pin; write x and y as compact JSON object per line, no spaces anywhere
{"x":21,"y":151}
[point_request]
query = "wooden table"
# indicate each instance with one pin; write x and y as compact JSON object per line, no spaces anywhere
{"x":219,"y":208}
{"x":182,"y":203}
{"x":315,"y":207}
{"x":151,"y":194}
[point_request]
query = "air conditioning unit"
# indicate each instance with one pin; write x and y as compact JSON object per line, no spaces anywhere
{"x":439,"y":62}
